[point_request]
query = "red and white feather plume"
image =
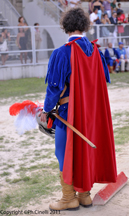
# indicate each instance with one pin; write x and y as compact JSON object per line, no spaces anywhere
{"x":26,"y":111}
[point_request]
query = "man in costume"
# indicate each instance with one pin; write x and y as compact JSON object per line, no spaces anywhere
{"x":76,"y":79}
{"x":112,"y":58}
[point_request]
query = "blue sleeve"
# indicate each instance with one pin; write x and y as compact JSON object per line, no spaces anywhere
{"x":106,"y":71}
{"x":56,"y":77}
{"x":107,"y":56}
{"x":116,"y":53}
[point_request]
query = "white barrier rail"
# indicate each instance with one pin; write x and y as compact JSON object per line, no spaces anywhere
{"x":35,"y":45}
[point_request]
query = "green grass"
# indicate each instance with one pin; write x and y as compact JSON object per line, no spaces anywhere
{"x":52,"y":165}
{"x":29,"y":188}
{"x":20,"y":87}
{"x":11,"y":165}
{"x":121,"y":127}
{"x":25,"y":143}
{"x":2,"y":146}
{"x":119,"y":79}
{"x":7,"y":141}
{"x":1,"y":138}
{"x":5,"y":174}
{"x":121,"y":135}
{"x":43,"y":178}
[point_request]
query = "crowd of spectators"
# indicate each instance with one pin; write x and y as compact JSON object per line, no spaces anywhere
{"x":102,"y":12}
{"x":117,"y":59}
{"x":23,"y":42}
{"x":107,"y":12}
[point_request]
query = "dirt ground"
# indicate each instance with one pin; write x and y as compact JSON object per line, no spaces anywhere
{"x":117,"y":206}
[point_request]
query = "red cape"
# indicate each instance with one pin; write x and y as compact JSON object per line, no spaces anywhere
{"x":89,"y":112}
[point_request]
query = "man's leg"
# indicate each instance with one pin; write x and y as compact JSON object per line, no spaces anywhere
{"x":127,"y":65}
{"x":69,"y":199}
{"x":111,"y":67}
{"x":60,"y":143}
{"x":122,"y":65}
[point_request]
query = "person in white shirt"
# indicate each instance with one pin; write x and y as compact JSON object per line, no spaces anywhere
{"x":93,"y":16}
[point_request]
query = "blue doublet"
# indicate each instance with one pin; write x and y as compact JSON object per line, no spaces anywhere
{"x":59,"y":71}
{"x":58,"y":74}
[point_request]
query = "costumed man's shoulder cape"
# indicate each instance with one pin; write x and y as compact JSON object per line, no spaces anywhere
{"x":89,"y":112}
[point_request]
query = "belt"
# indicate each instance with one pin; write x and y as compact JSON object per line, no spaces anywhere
{"x":63,"y":100}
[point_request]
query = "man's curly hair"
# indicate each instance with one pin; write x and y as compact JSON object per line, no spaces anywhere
{"x":75,"y":19}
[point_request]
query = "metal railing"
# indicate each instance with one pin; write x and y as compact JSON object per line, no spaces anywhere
{"x":106,"y":33}
{"x":30,"y":46}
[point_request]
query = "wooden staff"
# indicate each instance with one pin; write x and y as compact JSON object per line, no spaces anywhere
{"x":74,"y":130}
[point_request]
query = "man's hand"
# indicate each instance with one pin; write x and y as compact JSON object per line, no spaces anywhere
{"x":42,"y":116}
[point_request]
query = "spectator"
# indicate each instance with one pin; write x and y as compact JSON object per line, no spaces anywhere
{"x":113,"y":29}
{"x":90,"y":8}
{"x":37,"y":39}
{"x":113,"y":19}
{"x":94,"y":16}
{"x":74,"y":3}
{"x":128,"y":19}
{"x":123,"y":57}
{"x":22,"y":22}
{"x":126,"y":30}
{"x":21,"y":41}
{"x":27,"y":36}
{"x":121,"y":19}
{"x":97,"y":4}
{"x":118,"y":8}
{"x":107,"y":7}
{"x":113,"y":6}
{"x":1,"y":39}
{"x":105,"y":30}
{"x":5,"y":38}
{"x":94,"y":19}
{"x":112,"y":58}
{"x":1,"y":47}
{"x":127,"y":52}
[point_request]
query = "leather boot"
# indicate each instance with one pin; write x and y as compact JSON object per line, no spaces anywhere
{"x":69,"y":201}
{"x":111,"y":70}
{"x":85,"y":199}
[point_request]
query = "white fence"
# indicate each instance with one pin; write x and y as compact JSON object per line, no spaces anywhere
{"x":31,"y":46}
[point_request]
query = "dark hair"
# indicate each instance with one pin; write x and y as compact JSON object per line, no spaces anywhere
{"x":36,"y":24}
{"x":119,"y":4}
{"x":105,"y":14}
{"x":4,"y":29}
{"x":94,"y":9}
{"x":20,"y":18}
{"x":75,"y":19}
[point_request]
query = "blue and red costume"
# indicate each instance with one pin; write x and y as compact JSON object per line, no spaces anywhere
{"x":109,"y":60}
{"x":86,"y":87}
